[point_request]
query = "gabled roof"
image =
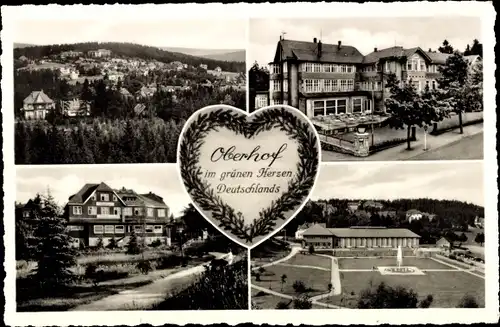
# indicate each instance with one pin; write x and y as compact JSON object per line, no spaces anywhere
{"x":308,"y":51}
{"x":37,"y":97}
{"x":317,"y":229}
{"x":413,"y":212}
{"x":438,"y":57}
{"x":394,"y":52}
{"x":83,"y":194}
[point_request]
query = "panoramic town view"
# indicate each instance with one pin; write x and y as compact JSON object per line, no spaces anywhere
{"x":110,"y":100}
{"x":373,"y":89}
{"x":88,"y":239}
{"x":383,"y":236}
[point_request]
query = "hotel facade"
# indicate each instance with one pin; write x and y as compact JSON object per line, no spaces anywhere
{"x":336,"y":79}
{"x":98,"y":212}
{"x":359,"y":237}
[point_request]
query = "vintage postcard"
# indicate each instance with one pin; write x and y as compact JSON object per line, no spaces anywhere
{"x":241,"y":163}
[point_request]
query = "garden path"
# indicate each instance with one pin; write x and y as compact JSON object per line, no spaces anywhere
{"x":147,"y":296}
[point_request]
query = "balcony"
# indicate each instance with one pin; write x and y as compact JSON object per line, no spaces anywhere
{"x":105,"y":203}
{"x":108,"y":216}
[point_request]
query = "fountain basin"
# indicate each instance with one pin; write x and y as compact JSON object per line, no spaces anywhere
{"x":404,"y":270}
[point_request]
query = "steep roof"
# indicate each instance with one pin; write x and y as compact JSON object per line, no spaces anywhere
{"x":438,"y":57}
{"x":83,"y":194}
{"x":308,"y":51}
{"x":317,"y":229}
{"x":393,"y":52}
{"x":37,"y":97}
{"x":413,"y":212}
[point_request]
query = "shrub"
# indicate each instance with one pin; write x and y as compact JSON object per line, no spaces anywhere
{"x":144,"y":267}
{"x":156,"y":243}
{"x":170,"y":261}
{"x":468,"y":301}
{"x":302,"y":302}
{"x":112,"y":244}
{"x":311,"y":249}
{"x":299,"y":286}
{"x":90,"y":271}
{"x":216,"y":289}
{"x":283,"y":305}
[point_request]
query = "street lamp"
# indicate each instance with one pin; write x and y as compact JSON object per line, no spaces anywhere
{"x":425,"y":137}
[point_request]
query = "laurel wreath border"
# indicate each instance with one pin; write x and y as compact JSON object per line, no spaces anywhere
{"x":298,"y":187}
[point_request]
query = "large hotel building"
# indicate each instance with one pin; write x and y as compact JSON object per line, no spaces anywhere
{"x":334,"y":79}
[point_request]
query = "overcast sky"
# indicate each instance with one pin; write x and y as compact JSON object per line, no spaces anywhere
{"x":64,"y":181}
{"x":461,"y":181}
{"x":364,"y":33}
{"x":194,"y":33}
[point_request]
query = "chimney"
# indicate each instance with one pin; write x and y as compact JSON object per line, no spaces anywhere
{"x":320,"y":49}
{"x":374,"y":49}
{"x":340,"y":44}
{"x":281,"y":37}
{"x":315,"y":40}
{"x":430,"y":50}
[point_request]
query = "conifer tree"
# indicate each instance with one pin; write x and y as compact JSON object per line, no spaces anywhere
{"x":133,"y":245}
{"x":54,"y":253}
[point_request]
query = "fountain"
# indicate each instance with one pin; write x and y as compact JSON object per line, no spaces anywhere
{"x":400,"y":269}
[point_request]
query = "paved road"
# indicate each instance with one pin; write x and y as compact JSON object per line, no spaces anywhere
{"x":468,"y":148}
{"x":447,"y":146}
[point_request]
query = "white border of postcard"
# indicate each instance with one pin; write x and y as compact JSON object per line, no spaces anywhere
{"x":219,"y":11}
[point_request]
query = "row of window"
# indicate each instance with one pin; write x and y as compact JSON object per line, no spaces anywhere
{"x":260,"y":101}
{"x":421,"y":85}
{"x":104,"y":197}
{"x":339,"y":106}
{"x":117,"y":211}
{"x":328,"y":85}
{"x":278,"y":101}
{"x":370,"y":86}
{"x":310,"y":67}
{"x":276,"y":68}
{"x":120,"y":229}
{"x":275,"y":85}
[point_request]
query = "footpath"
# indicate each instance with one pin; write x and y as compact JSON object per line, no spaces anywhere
{"x":148,"y":295}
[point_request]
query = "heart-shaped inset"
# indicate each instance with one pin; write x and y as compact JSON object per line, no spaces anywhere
{"x":248,"y":174}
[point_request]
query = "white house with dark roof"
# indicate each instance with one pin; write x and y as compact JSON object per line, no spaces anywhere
{"x":97,"y":211}
{"x":37,"y":105}
{"x":360,"y":237}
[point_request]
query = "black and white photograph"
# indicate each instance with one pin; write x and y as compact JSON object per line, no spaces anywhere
{"x":379,"y":237}
{"x":377,"y":89}
{"x":103,"y":91}
{"x":100,"y":238}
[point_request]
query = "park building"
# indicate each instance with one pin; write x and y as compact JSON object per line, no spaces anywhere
{"x":359,"y":237}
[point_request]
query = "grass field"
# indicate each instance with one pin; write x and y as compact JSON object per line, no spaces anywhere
{"x":447,"y":287}
{"x":315,"y":280}
{"x":310,"y":260}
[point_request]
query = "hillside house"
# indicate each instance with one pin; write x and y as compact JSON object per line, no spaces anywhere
{"x":203,"y":66}
{"x":75,"y":108}
{"x":479,"y":222}
{"x":37,"y":105}
{"x":97,"y":211}
{"x":443,"y":242}
{"x":353,"y":206}
{"x":99,"y":53}
{"x":413,"y":214}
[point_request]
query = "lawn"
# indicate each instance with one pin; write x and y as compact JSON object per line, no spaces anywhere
{"x":360,"y":263}
{"x":447,"y":288}
{"x":310,"y":260}
{"x":315,"y":280}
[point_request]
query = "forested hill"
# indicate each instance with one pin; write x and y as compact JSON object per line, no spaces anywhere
{"x":128,"y":50}
{"x":336,"y":213}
